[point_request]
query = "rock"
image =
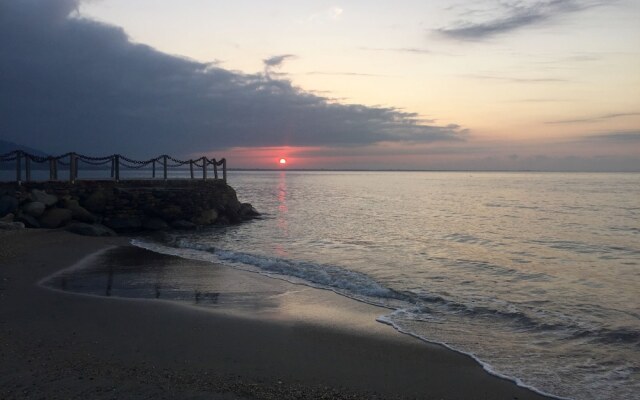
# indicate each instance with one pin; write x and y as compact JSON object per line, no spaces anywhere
{"x":124,"y":224}
{"x":11,"y":226}
{"x":223,"y":220}
{"x":207,"y":217}
{"x":8,"y":204}
{"x":44,"y":197}
{"x":78,"y":212}
{"x":55,"y":217}
{"x":171,"y":213}
{"x":182,"y":224}
{"x":7,"y":218}
{"x":34,"y":208}
{"x":154,"y":224}
{"x":28,"y":220}
{"x":247,"y":211}
{"x":96,"y":202}
{"x":89,"y":229}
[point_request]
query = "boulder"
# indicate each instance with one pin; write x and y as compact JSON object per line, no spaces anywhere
{"x":34,"y":208}
{"x":183,"y":225}
{"x":247,"y":211}
{"x":124,"y":223}
{"x":28,"y":220}
{"x":89,"y":229}
{"x":55,"y":217}
{"x":44,"y":197}
{"x":154,"y":224}
{"x":11,"y":226}
{"x":78,"y":212}
{"x":8,"y":204}
{"x":8,"y":218}
{"x":206,"y":217}
{"x":96,"y":201}
{"x":171,"y":213}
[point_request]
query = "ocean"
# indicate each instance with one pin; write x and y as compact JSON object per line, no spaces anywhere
{"x":535,"y":275}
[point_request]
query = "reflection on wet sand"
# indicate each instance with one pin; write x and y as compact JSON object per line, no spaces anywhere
{"x":131,"y":272}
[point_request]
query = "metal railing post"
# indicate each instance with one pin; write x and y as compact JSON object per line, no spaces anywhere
{"x":72,"y":168}
{"x":215,"y":168}
{"x":51,"y":168}
{"x":116,"y":162}
{"x":224,"y":170}
{"x":27,"y":167}
{"x":191,"y":168}
{"x":153,"y":168}
{"x":165,"y":167}
{"x":113,"y":167}
{"x":204,"y":168}
{"x":19,"y":167}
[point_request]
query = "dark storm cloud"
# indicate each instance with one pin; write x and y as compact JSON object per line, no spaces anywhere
{"x":69,"y":83}
{"x":516,"y":15}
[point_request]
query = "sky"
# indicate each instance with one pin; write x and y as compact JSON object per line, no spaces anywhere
{"x":444,"y":85}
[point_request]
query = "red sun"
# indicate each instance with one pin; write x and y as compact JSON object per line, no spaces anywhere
{"x":283,"y":161}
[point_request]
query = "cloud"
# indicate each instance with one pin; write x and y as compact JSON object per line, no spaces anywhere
{"x":332,"y":14}
{"x":514,"y":16}
{"x":412,"y":50}
{"x":71,"y":83}
{"x":613,"y":137}
{"x":276,"y":61}
{"x":517,"y":79}
{"x":336,"y":12}
{"x":597,"y":118}
{"x":342,"y":73}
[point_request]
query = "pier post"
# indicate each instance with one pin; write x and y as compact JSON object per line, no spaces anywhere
{"x":153,"y":168}
{"x":165,"y":167}
{"x":76,"y":164}
{"x":204,"y":168}
{"x":215,"y":168}
{"x":224,"y":170}
{"x":191,"y":168}
{"x":116,"y":168}
{"x":72,"y":167}
{"x":27,"y":167}
{"x":51,"y":168}
{"x":19,"y":167}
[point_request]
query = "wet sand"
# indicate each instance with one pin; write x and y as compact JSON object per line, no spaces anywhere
{"x":249,"y":336}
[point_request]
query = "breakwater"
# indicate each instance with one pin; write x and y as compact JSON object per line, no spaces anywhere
{"x":101,"y":207}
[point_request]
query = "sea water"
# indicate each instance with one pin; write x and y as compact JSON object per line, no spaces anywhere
{"x":536,"y":275}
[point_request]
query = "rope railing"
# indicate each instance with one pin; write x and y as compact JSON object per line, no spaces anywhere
{"x":71,"y":161}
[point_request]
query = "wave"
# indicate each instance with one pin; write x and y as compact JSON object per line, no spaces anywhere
{"x":414,"y":304}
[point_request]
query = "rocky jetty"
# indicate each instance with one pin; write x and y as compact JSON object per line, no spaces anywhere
{"x":104,"y":208}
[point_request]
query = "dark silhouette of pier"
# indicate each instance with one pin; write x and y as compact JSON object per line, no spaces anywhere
{"x":24,"y":163}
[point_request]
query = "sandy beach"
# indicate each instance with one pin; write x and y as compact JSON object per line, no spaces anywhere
{"x":264,"y":339}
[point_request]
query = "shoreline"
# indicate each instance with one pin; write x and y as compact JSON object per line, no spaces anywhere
{"x":380,"y":319}
{"x":62,"y":345}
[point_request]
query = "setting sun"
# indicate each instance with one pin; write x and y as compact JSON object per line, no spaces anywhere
{"x":283,"y":161}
